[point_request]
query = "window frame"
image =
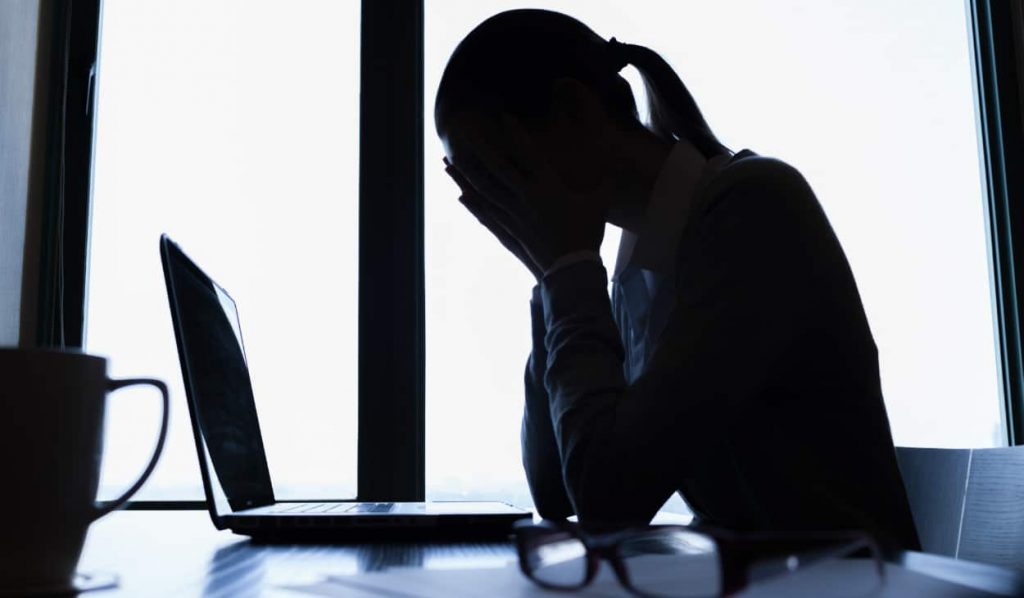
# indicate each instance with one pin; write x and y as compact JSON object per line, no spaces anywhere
{"x":71,"y":63}
{"x":996,"y":27}
{"x":391,"y":460}
{"x":391,"y":401}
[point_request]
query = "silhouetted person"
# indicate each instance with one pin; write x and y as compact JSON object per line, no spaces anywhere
{"x":733,"y":362}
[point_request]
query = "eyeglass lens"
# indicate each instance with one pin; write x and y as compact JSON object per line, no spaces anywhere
{"x":561,"y":561}
{"x":676,"y":563}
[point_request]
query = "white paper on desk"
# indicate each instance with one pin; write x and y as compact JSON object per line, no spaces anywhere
{"x":822,"y":580}
{"x":321,"y":588}
{"x":408,"y":582}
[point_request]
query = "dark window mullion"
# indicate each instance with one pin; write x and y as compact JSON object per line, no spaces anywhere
{"x":997,"y":30}
{"x":67,"y":185}
{"x":391,"y":307}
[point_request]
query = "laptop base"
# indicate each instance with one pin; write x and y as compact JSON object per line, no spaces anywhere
{"x":335,"y":530}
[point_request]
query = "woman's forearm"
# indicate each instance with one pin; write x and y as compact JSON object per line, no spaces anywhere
{"x":541,"y":459}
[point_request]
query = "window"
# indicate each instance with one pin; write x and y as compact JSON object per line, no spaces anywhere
{"x":233,"y":127}
{"x":871,"y":101}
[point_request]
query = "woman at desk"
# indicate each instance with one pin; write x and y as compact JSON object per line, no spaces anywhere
{"x":733,"y":362}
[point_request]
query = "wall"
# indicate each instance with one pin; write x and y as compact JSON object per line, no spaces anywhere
{"x":20,"y":86}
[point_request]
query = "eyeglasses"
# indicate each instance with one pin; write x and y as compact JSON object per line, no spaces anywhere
{"x":681,"y":562}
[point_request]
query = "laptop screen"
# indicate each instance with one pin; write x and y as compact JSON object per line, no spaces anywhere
{"x":218,"y":386}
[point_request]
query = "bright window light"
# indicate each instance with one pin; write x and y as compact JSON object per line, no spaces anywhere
{"x":233,"y":127}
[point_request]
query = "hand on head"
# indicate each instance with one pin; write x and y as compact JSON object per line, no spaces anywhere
{"x":581,"y":155}
{"x":519,"y":197}
{"x":491,"y":216}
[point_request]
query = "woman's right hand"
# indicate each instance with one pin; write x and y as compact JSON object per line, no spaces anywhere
{"x":483,"y":210}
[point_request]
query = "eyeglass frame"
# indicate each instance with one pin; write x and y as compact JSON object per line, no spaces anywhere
{"x":742,"y":558}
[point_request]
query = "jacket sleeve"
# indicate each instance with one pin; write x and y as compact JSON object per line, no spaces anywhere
{"x":541,"y":460}
{"x":626,"y":448}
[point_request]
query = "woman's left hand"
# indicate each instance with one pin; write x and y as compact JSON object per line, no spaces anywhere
{"x":547,"y":218}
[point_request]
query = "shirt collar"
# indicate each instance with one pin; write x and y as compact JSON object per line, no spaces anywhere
{"x":652,"y":246}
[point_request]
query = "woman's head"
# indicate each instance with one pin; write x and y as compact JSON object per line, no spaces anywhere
{"x":562,"y":81}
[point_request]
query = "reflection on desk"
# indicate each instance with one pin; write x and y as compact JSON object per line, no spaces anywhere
{"x":179,"y":553}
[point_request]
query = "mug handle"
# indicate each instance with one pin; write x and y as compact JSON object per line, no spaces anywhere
{"x":113,"y":385}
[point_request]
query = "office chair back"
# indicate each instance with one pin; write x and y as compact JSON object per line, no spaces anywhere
{"x":968,"y":503}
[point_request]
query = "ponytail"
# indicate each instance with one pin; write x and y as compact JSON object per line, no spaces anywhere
{"x":512,"y":59}
{"x":673,"y":112}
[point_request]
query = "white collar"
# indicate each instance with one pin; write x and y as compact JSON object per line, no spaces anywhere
{"x":653,"y":246}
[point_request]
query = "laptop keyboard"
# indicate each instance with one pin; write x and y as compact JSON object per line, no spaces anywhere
{"x":371,"y":507}
{"x":337,"y":507}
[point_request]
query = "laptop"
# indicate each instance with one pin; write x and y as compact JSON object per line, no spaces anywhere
{"x":239,"y":492}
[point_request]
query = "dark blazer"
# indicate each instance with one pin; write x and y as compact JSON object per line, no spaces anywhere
{"x":762,"y":402}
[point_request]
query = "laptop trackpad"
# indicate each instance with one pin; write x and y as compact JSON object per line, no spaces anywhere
{"x":371,"y":507}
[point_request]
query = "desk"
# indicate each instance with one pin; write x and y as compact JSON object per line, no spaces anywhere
{"x":179,"y":553}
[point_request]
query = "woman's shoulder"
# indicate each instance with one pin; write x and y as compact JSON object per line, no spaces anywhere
{"x":768,"y":182}
{"x":749,"y":170}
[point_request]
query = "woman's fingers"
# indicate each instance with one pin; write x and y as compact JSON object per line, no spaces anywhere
{"x":493,"y":156}
{"x":491,"y":219}
{"x":470,"y":195}
{"x":499,"y":196}
{"x":486,"y":166}
{"x":459,"y":179}
{"x":494,"y":219}
{"x":491,"y":180}
{"x":485,"y":218}
{"x":467,"y":186}
{"x":502,"y":223}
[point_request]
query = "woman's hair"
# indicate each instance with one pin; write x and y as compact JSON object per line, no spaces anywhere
{"x":511,"y":61}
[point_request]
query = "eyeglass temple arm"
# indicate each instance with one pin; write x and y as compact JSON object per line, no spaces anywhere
{"x":749,"y":561}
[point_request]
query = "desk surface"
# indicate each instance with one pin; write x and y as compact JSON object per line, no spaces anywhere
{"x":179,"y":553}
